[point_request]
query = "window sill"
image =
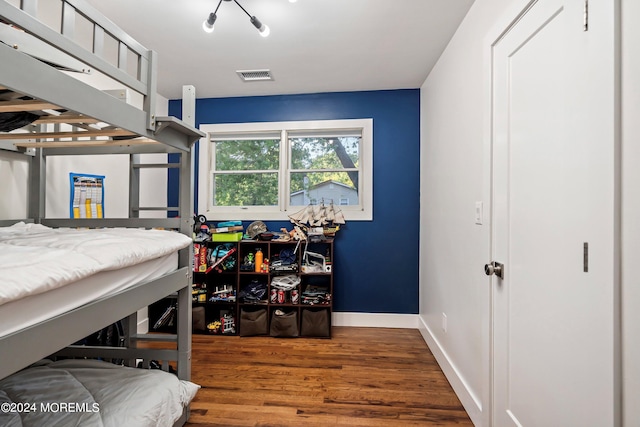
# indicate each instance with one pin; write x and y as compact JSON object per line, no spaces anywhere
{"x":254,"y":215}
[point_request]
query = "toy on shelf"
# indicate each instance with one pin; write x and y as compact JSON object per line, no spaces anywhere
{"x":225,"y":294}
{"x":226,"y":325}
{"x":310,"y":263}
{"x":318,"y":221}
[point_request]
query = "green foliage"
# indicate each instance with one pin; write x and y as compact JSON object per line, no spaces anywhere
{"x":247,"y":155}
{"x":322,"y":153}
{"x":257,"y":189}
{"x":263,"y":156}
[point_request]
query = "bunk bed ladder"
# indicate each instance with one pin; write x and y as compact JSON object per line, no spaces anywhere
{"x":185,"y":215}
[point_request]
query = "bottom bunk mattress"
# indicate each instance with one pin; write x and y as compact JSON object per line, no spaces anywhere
{"x":46,"y":271}
{"x":28,"y":311}
{"x":92,"y":393}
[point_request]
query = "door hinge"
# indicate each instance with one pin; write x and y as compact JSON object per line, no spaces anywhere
{"x":586,"y":15}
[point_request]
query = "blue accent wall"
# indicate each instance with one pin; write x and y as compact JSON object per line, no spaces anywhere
{"x":376,"y":262}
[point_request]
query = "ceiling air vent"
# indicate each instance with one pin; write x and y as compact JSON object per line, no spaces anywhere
{"x":254,"y":75}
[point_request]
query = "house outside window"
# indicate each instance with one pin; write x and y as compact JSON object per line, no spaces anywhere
{"x":271,"y":170}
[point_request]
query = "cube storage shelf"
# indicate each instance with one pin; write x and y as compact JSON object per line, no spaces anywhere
{"x":290,"y":297}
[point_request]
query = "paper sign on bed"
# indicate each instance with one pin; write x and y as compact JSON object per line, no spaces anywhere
{"x":87,"y":196}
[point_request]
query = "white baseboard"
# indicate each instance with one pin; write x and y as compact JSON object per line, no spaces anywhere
{"x":375,"y":320}
{"x":471,"y":403}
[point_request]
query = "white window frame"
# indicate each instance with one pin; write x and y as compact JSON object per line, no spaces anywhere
{"x":362,"y":212}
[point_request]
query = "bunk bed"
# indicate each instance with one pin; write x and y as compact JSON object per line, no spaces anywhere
{"x":46,"y":109}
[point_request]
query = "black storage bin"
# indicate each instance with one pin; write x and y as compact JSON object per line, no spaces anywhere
{"x":253,"y":322}
{"x":198,"y":319}
{"x":284,"y":324}
{"x":315,"y":323}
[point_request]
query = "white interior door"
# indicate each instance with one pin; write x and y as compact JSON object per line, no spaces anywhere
{"x":553,"y":191}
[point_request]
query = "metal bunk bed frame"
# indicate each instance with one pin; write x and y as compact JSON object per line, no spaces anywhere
{"x":60,"y":98}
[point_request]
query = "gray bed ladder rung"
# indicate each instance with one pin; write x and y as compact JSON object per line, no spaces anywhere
{"x":155,"y":337}
{"x":157,"y":208}
{"x":156,"y":165}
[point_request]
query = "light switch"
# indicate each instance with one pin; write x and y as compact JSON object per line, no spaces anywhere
{"x":479,"y":213}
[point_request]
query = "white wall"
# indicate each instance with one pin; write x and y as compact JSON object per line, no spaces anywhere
{"x":14,"y":176}
{"x":454,"y":248}
{"x":453,"y":175}
{"x":115,"y":168}
{"x":631,"y":211}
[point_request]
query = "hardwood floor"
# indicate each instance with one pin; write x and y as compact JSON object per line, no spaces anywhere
{"x":360,"y":377}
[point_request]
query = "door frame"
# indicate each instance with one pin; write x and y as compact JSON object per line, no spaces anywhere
{"x":502,"y":25}
{"x":507,"y":20}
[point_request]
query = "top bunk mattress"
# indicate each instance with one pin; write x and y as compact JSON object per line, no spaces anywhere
{"x":35,"y":259}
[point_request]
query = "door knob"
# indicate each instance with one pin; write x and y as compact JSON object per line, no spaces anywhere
{"x":494,"y":268}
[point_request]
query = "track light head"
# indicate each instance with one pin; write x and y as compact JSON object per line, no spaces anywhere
{"x":264,"y":29}
{"x":207,"y":25}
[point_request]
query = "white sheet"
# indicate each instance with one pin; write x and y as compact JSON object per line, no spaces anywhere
{"x":105,"y":394}
{"x":35,"y":259}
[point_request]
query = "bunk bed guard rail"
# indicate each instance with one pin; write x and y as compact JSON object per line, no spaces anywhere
{"x":134,"y":66}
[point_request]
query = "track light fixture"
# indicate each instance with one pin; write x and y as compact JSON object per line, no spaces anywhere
{"x":207,"y":25}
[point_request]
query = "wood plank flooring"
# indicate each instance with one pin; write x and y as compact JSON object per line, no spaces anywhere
{"x":361,"y":377}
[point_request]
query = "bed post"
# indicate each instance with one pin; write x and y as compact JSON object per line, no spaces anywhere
{"x":186,"y":255}
{"x":37,"y":186}
{"x":150,"y":98}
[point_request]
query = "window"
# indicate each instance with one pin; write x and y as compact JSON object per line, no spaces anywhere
{"x":270,"y":170}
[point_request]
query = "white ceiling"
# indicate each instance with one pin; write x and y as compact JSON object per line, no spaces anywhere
{"x":315,"y":45}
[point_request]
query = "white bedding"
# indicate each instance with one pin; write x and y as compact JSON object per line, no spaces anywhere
{"x":41,"y":307}
{"x":92,"y":393}
{"x":35,"y":258}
